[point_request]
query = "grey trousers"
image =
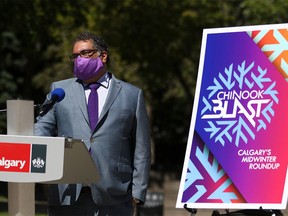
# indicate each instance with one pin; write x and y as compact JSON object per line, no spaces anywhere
{"x":86,"y":207}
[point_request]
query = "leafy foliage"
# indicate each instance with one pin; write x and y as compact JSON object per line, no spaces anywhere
{"x":154,"y":45}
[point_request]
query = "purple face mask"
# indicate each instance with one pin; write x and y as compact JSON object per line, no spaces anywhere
{"x":87,"y":68}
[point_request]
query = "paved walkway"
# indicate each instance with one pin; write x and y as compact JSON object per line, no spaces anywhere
{"x":170,"y":192}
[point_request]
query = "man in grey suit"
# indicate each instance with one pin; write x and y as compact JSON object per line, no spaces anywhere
{"x":119,"y":144}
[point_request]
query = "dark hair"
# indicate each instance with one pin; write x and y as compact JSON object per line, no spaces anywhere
{"x":99,"y":43}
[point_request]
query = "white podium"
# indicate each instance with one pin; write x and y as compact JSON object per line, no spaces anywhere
{"x":36,"y":159}
{"x":26,"y":159}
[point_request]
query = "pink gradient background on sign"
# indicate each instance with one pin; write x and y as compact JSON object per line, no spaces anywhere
{"x":264,"y":186}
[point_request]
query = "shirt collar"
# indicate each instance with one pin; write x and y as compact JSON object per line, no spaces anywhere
{"x":103,"y":81}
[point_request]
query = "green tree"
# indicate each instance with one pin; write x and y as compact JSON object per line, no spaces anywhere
{"x":154,"y":45}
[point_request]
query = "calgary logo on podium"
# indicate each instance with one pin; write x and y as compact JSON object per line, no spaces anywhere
{"x":38,"y":162}
{"x":23,"y":157}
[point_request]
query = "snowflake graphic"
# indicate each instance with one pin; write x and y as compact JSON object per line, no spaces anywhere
{"x":239,"y":103}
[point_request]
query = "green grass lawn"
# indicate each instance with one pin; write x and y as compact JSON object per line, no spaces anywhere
{"x":6,"y":214}
{"x":4,"y":207}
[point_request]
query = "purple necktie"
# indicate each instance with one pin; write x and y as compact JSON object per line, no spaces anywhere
{"x":93,"y":105}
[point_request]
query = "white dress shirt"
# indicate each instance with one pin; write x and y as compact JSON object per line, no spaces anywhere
{"x":102,"y":91}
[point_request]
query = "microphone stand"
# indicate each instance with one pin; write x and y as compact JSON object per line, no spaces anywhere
{"x":36,"y":111}
{"x":37,"y":106}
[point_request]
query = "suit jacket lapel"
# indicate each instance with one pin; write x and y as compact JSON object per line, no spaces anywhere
{"x":79,"y":95}
{"x":78,"y":92}
{"x":112,"y":95}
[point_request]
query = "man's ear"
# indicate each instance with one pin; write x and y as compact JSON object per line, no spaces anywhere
{"x":104,"y":56}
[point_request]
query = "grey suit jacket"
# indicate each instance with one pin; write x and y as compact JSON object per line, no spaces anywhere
{"x":120,"y":144}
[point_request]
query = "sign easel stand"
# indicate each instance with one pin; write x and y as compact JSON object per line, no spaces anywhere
{"x":250,"y":212}
{"x":191,"y":210}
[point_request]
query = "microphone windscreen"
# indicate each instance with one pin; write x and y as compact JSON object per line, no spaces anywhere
{"x":59,"y":93}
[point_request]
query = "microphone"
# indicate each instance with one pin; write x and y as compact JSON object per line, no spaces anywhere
{"x":57,"y":95}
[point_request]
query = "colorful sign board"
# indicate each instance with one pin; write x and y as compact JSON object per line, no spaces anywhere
{"x":237,"y":149}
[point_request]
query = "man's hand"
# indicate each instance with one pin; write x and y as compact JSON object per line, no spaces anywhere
{"x":135,"y":201}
